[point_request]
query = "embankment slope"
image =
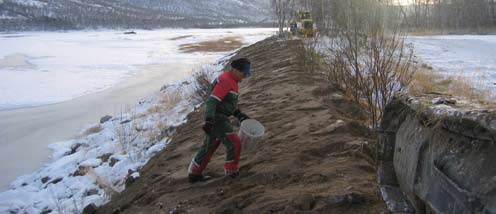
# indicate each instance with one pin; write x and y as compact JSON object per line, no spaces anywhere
{"x":316,"y":156}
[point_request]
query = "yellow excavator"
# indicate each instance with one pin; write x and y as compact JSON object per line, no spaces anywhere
{"x":303,"y":25}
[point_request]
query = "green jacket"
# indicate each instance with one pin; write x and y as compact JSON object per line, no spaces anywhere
{"x":222,"y":101}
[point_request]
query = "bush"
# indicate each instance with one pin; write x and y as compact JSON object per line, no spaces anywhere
{"x":202,"y":83}
{"x":370,"y":66}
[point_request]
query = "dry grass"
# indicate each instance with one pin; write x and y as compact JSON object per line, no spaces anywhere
{"x":108,"y":188}
{"x":202,"y":84}
{"x":126,"y":133}
{"x":171,"y":99}
{"x":91,"y":130}
{"x":168,"y":100}
{"x":155,"y":109}
{"x":228,"y":43}
{"x":425,"y":81}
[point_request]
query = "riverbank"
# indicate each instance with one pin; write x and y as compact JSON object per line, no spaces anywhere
{"x":26,"y":133}
{"x":317,"y":155}
{"x":154,"y":56}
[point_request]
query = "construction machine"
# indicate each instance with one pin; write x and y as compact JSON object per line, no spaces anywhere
{"x":303,"y":24}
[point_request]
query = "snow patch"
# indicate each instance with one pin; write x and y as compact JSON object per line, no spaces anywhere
{"x":32,"y":3}
{"x":94,"y":162}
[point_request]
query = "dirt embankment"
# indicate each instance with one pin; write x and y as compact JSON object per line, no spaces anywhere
{"x":317,"y":156}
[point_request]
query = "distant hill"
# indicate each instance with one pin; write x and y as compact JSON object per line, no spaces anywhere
{"x":79,"y":14}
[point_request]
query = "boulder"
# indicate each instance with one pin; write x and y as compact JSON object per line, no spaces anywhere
{"x":90,"y":209}
{"x":105,"y":118}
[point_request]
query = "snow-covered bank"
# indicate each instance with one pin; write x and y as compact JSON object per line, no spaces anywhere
{"x":25,"y":133}
{"x":50,"y":67}
{"x":93,"y":166}
{"x":97,"y":153}
{"x":468,"y":56}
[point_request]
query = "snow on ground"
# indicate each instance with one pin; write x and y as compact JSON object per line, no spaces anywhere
{"x":44,"y":68}
{"x":468,"y":56}
{"x":33,"y":3}
{"x":90,"y":168}
{"x":95,"y":165}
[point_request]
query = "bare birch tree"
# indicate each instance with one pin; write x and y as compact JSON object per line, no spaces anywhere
{"x":282,"y":10}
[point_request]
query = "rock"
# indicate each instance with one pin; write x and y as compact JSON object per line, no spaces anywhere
{"x":90,"y":209}
{"x":105,"y":118}
{"x":167,"y":132}
{"x":105,"y":157}
{"x":125,"y":121}
{"x":91,"y":192}
{"x":74,"y":149}
{"x":80,"y":171}
{"x":116,"y":210}
{"x":55,"y":181}
{"x":445,"y":101}
{"x":45,"y":179}
{"x":46,"y":210}
{"x":304,"y":202}
{"x":113,"y":161}
{"x":130,"y":179}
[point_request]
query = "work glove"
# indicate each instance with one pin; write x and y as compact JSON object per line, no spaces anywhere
{"x":240,"y":115}
{"x":208,"y":127}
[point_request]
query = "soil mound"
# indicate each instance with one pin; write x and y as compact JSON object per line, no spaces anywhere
{"x":316,"y":157}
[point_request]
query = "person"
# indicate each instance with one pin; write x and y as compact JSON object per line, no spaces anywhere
{"x":221,"y":103}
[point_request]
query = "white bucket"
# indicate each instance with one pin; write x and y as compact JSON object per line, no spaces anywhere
{"x":250,"y":133}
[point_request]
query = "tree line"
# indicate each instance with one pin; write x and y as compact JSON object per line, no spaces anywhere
{"x":363,"y":53}
{"x":468,"y":15}
{"x":450,"y":14}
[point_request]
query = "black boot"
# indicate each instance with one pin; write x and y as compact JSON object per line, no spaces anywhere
{"x":196,"y":178}
{"x":233,"y":175}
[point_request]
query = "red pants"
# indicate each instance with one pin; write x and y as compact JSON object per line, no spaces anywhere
{"x":210,"y":143}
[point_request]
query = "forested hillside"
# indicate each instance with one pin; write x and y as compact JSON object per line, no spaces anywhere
{"x":469,"y":15}
{"x":77,"y":14}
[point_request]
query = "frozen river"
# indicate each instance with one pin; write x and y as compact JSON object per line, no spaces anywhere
{"x":469,"y":56}
{"x":53,"y":84}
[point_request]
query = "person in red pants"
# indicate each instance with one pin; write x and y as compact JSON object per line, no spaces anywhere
{"x":221,"y":103}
